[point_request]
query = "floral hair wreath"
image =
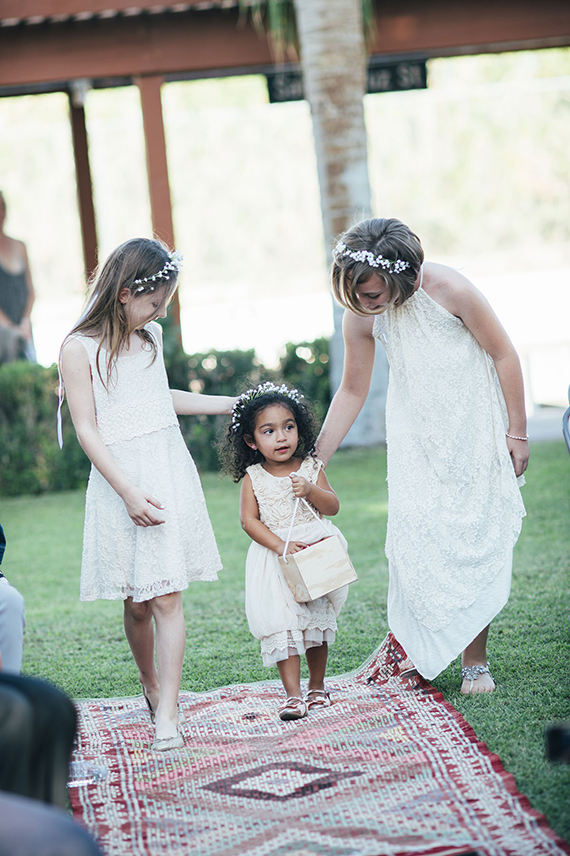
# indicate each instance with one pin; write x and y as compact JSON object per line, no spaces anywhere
{"x":174,"y":263}
{"x":391,"y":265}
{"x":251,"y":394}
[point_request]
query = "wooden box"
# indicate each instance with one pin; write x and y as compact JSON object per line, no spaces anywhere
{"x":317,"y":570}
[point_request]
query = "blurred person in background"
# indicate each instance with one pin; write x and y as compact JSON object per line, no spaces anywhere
{"x":16,"y":297}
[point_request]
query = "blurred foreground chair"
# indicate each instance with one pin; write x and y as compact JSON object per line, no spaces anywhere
{"x":566,"y":423}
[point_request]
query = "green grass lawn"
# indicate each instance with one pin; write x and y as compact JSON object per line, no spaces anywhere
{"x":81,"y":647}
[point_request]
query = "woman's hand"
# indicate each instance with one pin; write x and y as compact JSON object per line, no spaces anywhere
{"x":24,"y":328}
{"x":520,"y":453}
{"x":140,"y":505}
{"x":301,"y":487}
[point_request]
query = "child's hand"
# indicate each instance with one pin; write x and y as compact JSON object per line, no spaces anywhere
{"x":139,"y":505}
{"x":296,"y":547}
{"x":301,"y":487}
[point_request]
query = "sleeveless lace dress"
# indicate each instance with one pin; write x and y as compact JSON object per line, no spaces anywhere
{"x":454,"y":504}
{"x":284,"y":626}
{"x":138,"y":424}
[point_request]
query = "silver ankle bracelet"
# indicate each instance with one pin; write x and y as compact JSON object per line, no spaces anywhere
{"x":471,"y":673}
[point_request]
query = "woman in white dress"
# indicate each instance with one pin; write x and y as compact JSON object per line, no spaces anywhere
{"x":456,"y":440}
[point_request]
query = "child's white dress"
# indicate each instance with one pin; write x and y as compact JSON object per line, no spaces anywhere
{"x":284,"y":626}
{"x":138,"y":424}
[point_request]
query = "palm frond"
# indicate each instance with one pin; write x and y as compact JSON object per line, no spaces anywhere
{"x":277,"y":19}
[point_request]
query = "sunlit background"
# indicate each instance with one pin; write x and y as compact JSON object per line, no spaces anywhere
{"x":478,"y":165}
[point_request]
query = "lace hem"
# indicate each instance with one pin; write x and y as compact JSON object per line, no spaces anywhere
{"x":291,"y":643}
{"x":140,"y":594}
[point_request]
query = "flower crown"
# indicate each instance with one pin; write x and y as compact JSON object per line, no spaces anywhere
{"x":251,"y":394}
{"x":392,"y":266}
{"x":174,"y":263}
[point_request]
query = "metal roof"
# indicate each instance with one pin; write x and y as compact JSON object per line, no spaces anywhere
{"x":14,"y":13}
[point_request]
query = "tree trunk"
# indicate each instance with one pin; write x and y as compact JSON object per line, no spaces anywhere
{"x":333,"y":59}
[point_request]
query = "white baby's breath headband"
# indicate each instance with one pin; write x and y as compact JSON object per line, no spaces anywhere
{"x":174,"y":263}
{"x":251,"y":394}
{"x":390,"y":265}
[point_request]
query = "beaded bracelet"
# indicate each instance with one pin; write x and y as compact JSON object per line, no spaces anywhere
{"x":515,"y":438}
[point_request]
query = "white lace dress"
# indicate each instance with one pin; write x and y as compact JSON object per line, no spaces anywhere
{"x":138,"y":424}
{"x":284,"y":626}
{"x":454,"y":504}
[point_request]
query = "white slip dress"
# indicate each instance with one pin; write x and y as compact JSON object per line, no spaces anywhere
{"x":283,"y":626}
{"x":138,"y":424}
{"x":454,"y":504}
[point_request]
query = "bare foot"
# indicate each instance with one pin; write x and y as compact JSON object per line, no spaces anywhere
{"x":476,"y":681}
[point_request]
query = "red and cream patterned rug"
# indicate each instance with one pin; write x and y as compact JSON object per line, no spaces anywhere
{"x":390,"y":769}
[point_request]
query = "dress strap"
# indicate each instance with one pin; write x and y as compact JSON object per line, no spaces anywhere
{"x":60,"y":397}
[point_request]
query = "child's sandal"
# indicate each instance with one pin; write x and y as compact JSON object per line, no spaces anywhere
{"x":294,"y":708}
{"x":318,"y":698}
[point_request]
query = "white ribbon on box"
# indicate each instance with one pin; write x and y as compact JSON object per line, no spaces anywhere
{"x":321,"y":568}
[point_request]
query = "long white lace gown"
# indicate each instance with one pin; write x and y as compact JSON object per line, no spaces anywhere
{"x":454,"y":504}
{"x":138,"y":424}
{"x":284,"y":626}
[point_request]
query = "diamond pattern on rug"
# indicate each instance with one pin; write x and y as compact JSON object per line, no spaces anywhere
{"x":390,"y":769}
{"x":280,"y":781}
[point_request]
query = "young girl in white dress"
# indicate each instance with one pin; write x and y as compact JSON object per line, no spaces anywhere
{"x":269,"y":449}
{"x":456,"y":438}
{"x":147,"y":533}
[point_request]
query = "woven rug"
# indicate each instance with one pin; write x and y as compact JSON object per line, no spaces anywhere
{"x":389,"y":768}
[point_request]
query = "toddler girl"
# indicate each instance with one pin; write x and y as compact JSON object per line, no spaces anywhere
{"x":147,"y":531}
{"x":269,"y":449}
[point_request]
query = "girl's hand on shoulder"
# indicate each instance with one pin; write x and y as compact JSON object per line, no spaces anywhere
{"x":301,"y":487}
{"x":520,"y":453}
{"x":140,"y":507}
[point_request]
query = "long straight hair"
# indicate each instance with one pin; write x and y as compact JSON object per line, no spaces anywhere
{"x":104,"y":315}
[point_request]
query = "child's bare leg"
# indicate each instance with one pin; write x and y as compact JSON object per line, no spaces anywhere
{"x":170,"y":643}
{"x":317,"y":663}
{"x":139,"y":631}
{"x":290,"y":674}
{"x":476,"y":655}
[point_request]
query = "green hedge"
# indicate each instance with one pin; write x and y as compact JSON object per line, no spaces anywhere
{"x":304,"y":366}
{"x":30,"y":458}
{"x":31,"y":461}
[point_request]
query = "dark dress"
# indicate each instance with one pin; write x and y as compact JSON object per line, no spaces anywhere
{"x":13,"y":294}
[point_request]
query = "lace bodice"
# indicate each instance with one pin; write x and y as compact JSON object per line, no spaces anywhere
{"x":454,"y":503}
{"x":138,"y":399}
{"x":275,"y":496}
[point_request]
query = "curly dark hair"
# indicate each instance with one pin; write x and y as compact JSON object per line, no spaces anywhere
{"x":236,"y":456}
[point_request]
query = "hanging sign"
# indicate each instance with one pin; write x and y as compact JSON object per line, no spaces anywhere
{"x":382,"y":76}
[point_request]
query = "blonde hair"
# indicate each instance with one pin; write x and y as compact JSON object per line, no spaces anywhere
{"x":104,"y":315}
{"x":388,"y":238}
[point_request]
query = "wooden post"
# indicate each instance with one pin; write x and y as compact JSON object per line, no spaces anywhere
{"x":84,"y":184}
{"x":157,"y":170}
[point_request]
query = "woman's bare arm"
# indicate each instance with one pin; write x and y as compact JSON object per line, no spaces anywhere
{"x":350,"y":397}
